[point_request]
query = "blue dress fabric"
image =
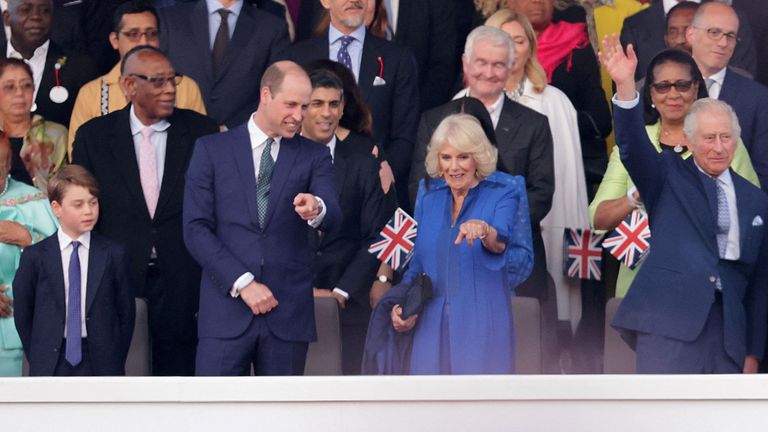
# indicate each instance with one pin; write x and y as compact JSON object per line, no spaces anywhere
{"x":467,"y":327}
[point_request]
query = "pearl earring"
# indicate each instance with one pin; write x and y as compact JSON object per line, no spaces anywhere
{"x":653,"y":106}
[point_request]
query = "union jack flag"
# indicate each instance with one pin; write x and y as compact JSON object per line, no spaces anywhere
{"x":583,"y":254}
{"x":629,"y":241}
{"x":395,"y":241}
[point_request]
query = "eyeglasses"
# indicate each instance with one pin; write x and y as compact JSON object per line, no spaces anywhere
{"x":717,"y":34}
{"x":135,"y":35}
{"x":665,"y":86}
{"x":159,"y":82}
{"x":12,"y":87}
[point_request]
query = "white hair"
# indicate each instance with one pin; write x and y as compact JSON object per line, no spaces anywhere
{"x":495,"y":37}
{"x":708,"y":105}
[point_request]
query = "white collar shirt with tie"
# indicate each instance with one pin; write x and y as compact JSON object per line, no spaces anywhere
{"x":355,"y":48}
{"x":258,"y":142}
{"x":714,"y":83}
{"x":158,"y":139}
{"x":65,"y":245}
{"x":214,"y":19}
{"x":725,"y":181}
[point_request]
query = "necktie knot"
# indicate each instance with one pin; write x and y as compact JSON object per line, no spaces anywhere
{"x":708,"y":82}
{"x":346,"y":40}
{"x":147,"y":133}
{"x":75,"y":245}
{"x":223,"y":13}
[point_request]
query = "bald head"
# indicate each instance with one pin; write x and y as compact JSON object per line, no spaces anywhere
{"x":283,"y":99}
{"x":275,"y":74}
{"x":713,"y":36}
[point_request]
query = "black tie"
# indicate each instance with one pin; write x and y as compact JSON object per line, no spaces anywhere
{"x":221,"y":41}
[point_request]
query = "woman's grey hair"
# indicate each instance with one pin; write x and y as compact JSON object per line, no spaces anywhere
{"x":706,"y":105}
{"x":464,"y":133}
{"x":492,"y":35}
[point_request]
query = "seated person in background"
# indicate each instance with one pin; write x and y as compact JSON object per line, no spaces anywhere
{"x":57,"y":73}
{"x":39,"y":147}
{"x":342,"y":266}
{"x":25,"y":218}
{"x":474,"y":242}
{"x":679,"y":18}
{"x":699,"y":303}
{"x":674,"y":84}
{"x":90,"y":323}
{"x":135,"y":23}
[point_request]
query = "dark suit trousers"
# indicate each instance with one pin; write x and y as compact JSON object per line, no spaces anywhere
{"x":661,"y":355}
{"x":257,"y":348}
{"x":63,"y":368}
{"x":170,"y":357}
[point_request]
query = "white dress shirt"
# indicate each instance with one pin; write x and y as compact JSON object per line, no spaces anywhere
{"x":355,"y":48}
{"x":494,"y":110}
{"x":717,"y":83}
{"x":214,"y":19}
{"x":36,"y":63}
{"x":159,"y":140}
{"x":65,"y":244}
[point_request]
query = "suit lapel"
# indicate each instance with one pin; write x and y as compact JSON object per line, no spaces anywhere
{"x":744,"y":208}
{"x":506,"y":130}
{"x":369,"y":66}
{"x":243,"y":154}
{"x":125,"y":156}
{"x":53,"y":257}
{"x":289,"y":150}
{"x":199,"y":23}
{"x":97,"y":262}
{"x":240,"y":38}
{"x":175,"y":161}
{"x":702,"y":209}
{"x":48,"y":79}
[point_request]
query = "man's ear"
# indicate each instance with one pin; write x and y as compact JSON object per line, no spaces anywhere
{"x":113,"y":40}
{"x":56,"y":207}
{"x":128,"y":86}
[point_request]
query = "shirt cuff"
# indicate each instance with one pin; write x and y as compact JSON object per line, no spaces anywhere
{"x":626,"y":104}
{"x":342,"y":293}
{"x":241,"y":283}
{"x":314,"y":223}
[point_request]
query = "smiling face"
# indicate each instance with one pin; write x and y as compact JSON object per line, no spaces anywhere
{"x":150,"y":103}
{"x":714,"y":143}
{"x":346,"y":15}
{"x":486,"y":70}
{"x":284,"y":107}
{"x":522,"y":44}
{"x":323,"y":114}
{"x":77,"y":212}
{"x":458,"y":169}
{"x":675,"y":104}
{"x":713,"y":55}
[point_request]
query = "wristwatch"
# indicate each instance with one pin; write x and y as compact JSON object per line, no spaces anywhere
{"x":383,"y":279}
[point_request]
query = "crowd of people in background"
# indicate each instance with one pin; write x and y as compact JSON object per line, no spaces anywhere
{"x":230,"y":160}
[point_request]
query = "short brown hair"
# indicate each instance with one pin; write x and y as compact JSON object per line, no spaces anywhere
{"x":71,"y":175}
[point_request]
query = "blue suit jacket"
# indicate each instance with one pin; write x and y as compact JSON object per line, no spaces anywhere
{"x":750,"y":101}
{"x":674,"y":291}
{"x":222,"y":232}
{"x":40,"y":311}
{"x":259,"y":40}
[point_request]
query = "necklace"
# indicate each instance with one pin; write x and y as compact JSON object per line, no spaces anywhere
{"x":518,"y":93}
{"x":678,"y":148}
{"x":5,"y":188}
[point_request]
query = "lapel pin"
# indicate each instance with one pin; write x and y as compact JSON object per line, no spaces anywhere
{"x":58,"y":93}
{"x":379,"y":79}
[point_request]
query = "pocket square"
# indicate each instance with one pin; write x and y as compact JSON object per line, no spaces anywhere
{"x":379,"y":81}
{"x":757,"y":221}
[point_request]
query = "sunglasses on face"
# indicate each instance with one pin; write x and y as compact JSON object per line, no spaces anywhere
{"x":665,"y":86}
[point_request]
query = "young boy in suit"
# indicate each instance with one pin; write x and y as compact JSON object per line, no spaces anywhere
{"x":74,"y":307}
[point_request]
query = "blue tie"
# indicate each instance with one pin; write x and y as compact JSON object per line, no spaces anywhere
{"x":264,"y":180}
{"x":723,"y":219}
{"x":74,"y":352}
{"x":343,"y":55}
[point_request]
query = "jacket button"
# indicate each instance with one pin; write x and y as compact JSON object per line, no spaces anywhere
{"x":712,"y":279}
{"x":55,"y":350}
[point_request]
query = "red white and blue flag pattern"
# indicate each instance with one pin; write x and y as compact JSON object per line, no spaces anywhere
{"x":629,"y":242}
{"x":583,"y":254}
{"x":394,"y":244}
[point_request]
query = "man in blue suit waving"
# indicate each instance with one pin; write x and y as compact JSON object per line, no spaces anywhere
{"x":252,"y":193}
{"x":698,"y":305}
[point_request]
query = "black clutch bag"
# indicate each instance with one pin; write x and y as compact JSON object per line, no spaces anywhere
{"x":419,"y":292}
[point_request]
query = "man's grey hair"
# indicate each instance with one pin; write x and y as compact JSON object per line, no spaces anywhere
{"x":709,"y":105}
{"x":492,"y":35}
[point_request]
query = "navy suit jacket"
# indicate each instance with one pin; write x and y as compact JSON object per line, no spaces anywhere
{"x":645,"y":31}
{"x":222,"y":231}
{"x":675,"y":290}
{"x":394,"y":106}
{"x":750,"y":101}
{"x":40,"y":311}
{"x":259,"y":40}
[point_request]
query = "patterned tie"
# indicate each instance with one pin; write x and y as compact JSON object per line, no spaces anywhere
{"x":723,"y":219}
{"x":264,"y":180}
{"x":74,"y":352}
{"x":343,"y":55}
{"x":148,"y":170}
{"x":220,"y":42}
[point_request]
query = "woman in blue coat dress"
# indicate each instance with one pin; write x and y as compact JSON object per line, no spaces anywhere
{"x":474,"y":241}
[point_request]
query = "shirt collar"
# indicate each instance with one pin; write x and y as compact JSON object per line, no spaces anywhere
{"x":334,"y":34}
{"x":669,"y":4}
{"x":41,"y":51}
{"x":137,"y":125}
{"x":724,"y":177}
{"x":65,"y":240}
{"x":257,"y":135}
{"x":718,"y":76}
{"x":214,"y":5}
{"x":332,"y":147}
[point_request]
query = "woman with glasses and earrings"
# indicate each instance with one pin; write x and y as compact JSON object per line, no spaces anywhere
{"x":673,"y":84}
{"x":38,"y":147}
